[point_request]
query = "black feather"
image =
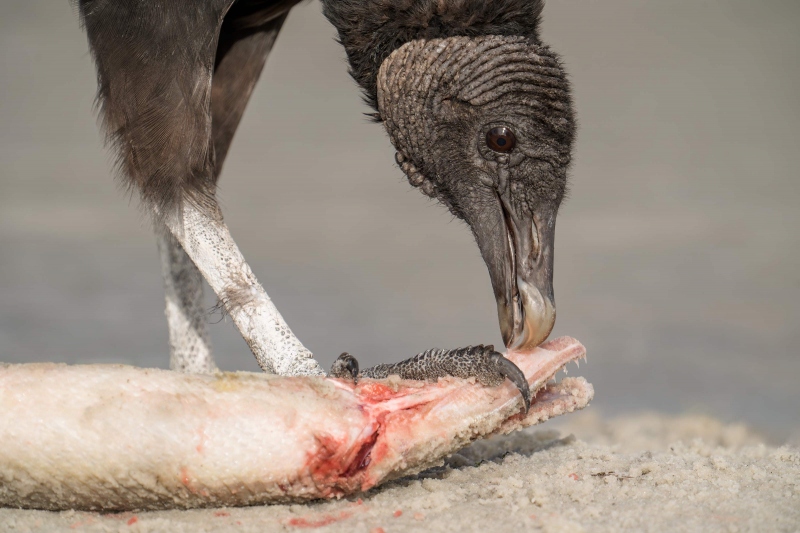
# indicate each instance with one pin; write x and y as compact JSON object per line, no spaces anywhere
{"x":370,"y":30}
{"x":155,"y":64}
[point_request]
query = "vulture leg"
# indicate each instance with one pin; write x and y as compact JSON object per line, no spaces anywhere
{"x":241,"y":55}
{"x":207,"y":241}
{"x":189,"y":340}
{"x":482,"y":363}
{"x":155,"y":69}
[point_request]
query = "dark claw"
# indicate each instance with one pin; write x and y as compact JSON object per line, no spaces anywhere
{"x":513,"y":373}
{"x":345,"y":367}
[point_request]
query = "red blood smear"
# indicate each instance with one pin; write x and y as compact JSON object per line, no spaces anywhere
{"x":374,"y":392}
{"x":132,"y":521}
{"x":202,"y":441}
{"x":398,"y":513}
{"x":323,"y":462}
{"x":336,"y":475}
{"x":222,"y":513}
{"x":319,"y":521}
{"x":329,"y":470}
{"x":362,"y":458}
{"x":187,"y":480}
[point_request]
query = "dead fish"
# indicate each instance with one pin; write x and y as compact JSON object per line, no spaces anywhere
{"x":115,"y":437}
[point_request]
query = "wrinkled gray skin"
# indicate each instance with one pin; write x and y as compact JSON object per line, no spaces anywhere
{"x":438,"y":98}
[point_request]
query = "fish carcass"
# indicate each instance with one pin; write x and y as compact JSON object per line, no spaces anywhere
{"x":114,"y":437}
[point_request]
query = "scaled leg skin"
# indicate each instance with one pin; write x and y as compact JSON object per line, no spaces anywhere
{"x":189,"y":341}
{"x":208,"y":242}
{"x":245,"y":40}
{"x":241,"y":54}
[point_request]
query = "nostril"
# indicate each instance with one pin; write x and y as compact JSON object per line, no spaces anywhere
{"x":534,"y":240}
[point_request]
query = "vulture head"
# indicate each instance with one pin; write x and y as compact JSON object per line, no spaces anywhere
{"x":479,"y":111}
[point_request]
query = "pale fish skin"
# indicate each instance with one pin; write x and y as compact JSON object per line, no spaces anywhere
{"x":114,"y":437}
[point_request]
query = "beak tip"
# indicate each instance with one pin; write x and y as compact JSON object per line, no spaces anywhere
{"x":538,"y":316}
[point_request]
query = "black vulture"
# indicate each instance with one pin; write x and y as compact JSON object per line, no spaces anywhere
{"x":477,"y":107}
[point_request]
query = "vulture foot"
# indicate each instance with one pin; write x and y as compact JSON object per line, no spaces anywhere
{"x":483,"y":363}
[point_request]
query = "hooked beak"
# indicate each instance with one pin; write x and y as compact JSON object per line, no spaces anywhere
{"x":518,"y":250}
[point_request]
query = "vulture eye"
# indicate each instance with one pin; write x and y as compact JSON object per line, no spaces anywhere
{"x":501,"y":139}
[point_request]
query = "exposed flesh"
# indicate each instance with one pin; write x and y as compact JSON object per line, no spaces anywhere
{"x":112,"y":437}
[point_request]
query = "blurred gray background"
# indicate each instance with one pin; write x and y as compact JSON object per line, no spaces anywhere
{"x":677,"y":257}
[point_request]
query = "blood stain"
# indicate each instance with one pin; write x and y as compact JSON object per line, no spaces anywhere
{"x":318,"y":521}
{"x":132,"y":521}
{"x":201,"y":435}
{"x":398,"y":513}
{"x":185,"y":476}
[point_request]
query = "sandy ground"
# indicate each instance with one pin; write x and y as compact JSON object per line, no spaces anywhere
{"x":638,"y":473}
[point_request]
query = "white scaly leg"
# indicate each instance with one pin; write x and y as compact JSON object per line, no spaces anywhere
{"x":207,"y":241}
{"x":189,"y":341}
